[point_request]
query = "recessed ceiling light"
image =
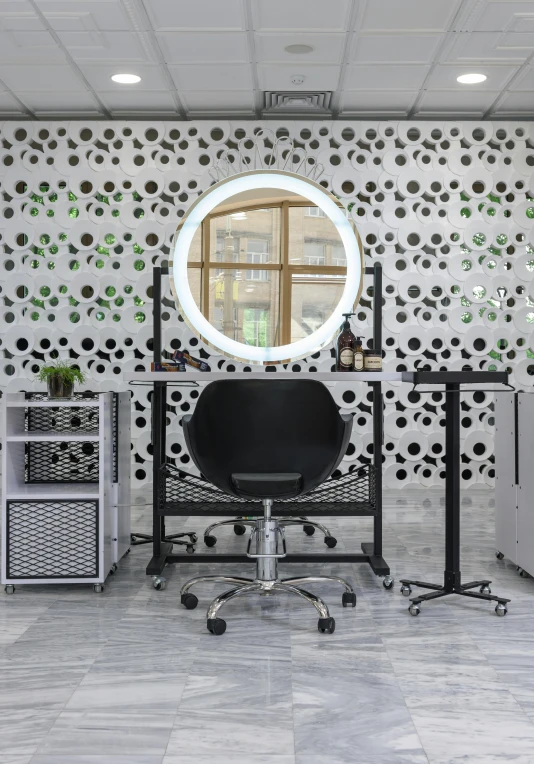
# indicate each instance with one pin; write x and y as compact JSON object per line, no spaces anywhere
{"x":126,"y":79}
{"x":471,"y":79}
{"x":298,"y":49}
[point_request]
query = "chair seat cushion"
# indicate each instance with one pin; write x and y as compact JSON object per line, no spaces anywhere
{"x":267,"y":485}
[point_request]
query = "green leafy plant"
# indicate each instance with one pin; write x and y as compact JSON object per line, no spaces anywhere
{"x":69,"y":374}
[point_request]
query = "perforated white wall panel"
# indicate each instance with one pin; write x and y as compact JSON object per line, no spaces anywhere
{"x":447,"y":207}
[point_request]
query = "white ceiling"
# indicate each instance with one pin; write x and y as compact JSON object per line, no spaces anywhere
{"x":215,"y":58}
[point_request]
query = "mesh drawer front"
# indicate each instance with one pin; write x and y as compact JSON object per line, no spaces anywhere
{"x":61,"y":462}
{"x":52,"y":539}
{"x":77,"y":419}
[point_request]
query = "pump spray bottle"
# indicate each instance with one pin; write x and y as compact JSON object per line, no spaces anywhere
{"x":346,"y":343}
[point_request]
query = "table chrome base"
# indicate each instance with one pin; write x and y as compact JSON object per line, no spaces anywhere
{"x":438,"y":590}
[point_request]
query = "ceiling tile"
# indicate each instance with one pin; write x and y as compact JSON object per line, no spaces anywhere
{"x":409,"y":15}
{"x":203,"y":47}
{"x":444,"y":76}
{"x":138,"y":101}
{"x":301,"y":14}
{"x":211,"y":77}
{"x":60,"y":101}
{"x":517,"y":103}
{"x":385,"y":77}
{"x":220,"y":101}
{"x":499,"y":15}
{"x":487,"y":46}
{"x":278,"y":77}
{"x":123,"y":47}
{"x":99,"y":77}
{"x":33,"y":78}
{"x":327,"y":48}
{"x":354,"y":101}
{"x":19,"y":15}
{"x":395,"y":48}
{"x":456,"y":101}
{"x":27,"y":47}
{"x":169,"y":15}
{"x":524,"y":81}
{"x":68,"y":16}
{"x":8,"y":105}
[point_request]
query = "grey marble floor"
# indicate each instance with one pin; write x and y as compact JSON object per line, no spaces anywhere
{"x":130,"y":677}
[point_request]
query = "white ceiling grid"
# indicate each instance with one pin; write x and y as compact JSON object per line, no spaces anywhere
{"x":216,"y":58}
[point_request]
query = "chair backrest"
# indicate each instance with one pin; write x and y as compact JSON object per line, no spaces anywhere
{"x":266,"y":426}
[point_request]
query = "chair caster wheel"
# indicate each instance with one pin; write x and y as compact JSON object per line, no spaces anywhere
{"x":406,"y":590}
{"x":523,"y":573}
{"x":113,"y":569}
{"x":239,"y":529}
{"x":326,"y":625}
{"x":193,"y":538}
{"x":217,"y":626}
{"x":330,"y":541}
{"x":414,"y":609}
{"x":349,"y":599}
{"x":159,"y":583}
{"x":309,"y":530}
{"x":499,"y":555}
{"x":98,"y":588}
{"x":190,"y":549}
{"x":484,"y":590}
{"x":210,"y":540}
{"x":387,"y":582}
{"x":501,"y":609}
{"x":9,"y":589}
{"x":189,"y":600}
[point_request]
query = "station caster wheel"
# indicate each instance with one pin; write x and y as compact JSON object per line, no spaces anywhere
{"x":239,"y":529}
{"x":326,"y":625}
{"x":159,"y":583}
{"x":210,"y":540}
{"x":190,"y":549}
{"x":113,"y":569}
{"x":387,"y":582}
{"x":349,"y":599}
{"x":309,"y":530}
{"x":190,"y":601}
{"x":523,"y":573}
{"x":217,"y":626}
{"x":485,"y":590}
{"x":501,"y":609}
{"x":414,"y":609}
{"x":133,"y":538}
{"x":499,"y":555}
{"x":330,"y":541}
{"x":9,"y":589}
{"x":406,"y":590}
{"x":193,"y":538}
{"x":98,"y":588}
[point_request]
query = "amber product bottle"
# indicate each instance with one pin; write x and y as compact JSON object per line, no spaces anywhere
{"x":358,"y":355}
{"x":345,"y":346}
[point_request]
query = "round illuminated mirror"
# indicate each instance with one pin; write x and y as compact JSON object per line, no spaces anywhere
{"x":265,"y":263}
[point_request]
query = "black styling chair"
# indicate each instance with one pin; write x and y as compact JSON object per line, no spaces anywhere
{"x":266,"y":439}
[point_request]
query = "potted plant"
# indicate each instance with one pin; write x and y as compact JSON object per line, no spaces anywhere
{"x":60,"y":378}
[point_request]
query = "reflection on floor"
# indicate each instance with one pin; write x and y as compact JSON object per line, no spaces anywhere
{"x":130,"y":677}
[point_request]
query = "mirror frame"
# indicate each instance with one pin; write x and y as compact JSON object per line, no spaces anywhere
{"x":218,"y":194}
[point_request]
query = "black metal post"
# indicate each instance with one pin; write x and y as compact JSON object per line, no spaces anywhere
{"x":378,"y":411}
{"x":157,"y":396}
{"x":452,"y":488}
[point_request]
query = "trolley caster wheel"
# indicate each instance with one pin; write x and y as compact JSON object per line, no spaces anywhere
{"x":193,"y":538}
{"x":159,"y":583}
{"x":485,"y":590}
{"x":217,"y":626}
{"x":309,"y":530}
{"x":239,"y":529}
{"x":330,"y":541}
{"x":189,"y":600}
{"x":501,"y":609}
{"x":98,"y":588}
{"x":523,"y":573}
{"x":349,"y":599}
{"x":113,"y":569}
{"x":387,"y":582}
{"x":406,"y":590}
{"x":499,"y":555}
{"x":210,"y":540}
{"x":326,"y":625}
{"x":9,"y":589}
{"x":190,"y":549}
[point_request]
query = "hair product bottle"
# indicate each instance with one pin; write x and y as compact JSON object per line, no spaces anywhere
{"x":345,"y":346}
{"x":358,"y":354}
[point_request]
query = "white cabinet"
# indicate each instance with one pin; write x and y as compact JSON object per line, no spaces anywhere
{"x":65,"y":488}
{"x":514,"y":478}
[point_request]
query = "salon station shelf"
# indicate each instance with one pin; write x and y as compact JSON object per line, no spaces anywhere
{"x":211,"y":376}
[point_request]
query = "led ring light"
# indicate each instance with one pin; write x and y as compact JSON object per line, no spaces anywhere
{"x":218,"y":194}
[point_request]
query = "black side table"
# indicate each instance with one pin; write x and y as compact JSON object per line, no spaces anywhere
{"x":452,"y":580}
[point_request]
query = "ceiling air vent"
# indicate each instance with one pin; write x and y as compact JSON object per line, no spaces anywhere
{"x":297,"y":103}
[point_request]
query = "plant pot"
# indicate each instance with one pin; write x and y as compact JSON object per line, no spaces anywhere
{"x":59,"y":388}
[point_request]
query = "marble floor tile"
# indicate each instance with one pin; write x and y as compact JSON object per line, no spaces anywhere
{"x":15,"y":759}
{"x":90,"y":759}
{"x":222,"y":757}
{"x":21,"y":730}
{"x":130,"y":693}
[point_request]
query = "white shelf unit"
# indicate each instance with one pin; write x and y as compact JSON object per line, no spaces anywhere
{"x":65,"y":489}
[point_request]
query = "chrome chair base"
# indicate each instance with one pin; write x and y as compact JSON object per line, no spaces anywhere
{"x":268,"y":537}
{"x":240,"y":525}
